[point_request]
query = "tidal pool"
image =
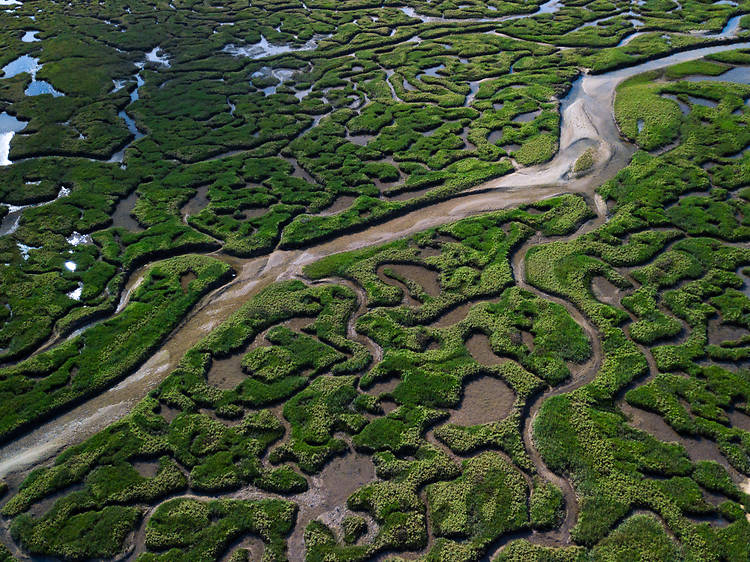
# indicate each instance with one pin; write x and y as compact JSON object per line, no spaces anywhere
{"x":30,"y":36}
{"x":9,"y":126}
{"x":24,"y":63}
{"x":158,"y":56}
{"x":30,"y":65}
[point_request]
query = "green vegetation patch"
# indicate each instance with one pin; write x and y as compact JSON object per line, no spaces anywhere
{"x":53,"y":380}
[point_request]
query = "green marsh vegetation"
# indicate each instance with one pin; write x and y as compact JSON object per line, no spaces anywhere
{"x":72,"y":370}
{"x":374,"y":353}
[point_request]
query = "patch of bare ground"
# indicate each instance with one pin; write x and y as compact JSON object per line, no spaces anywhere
{"x":485,"y":399}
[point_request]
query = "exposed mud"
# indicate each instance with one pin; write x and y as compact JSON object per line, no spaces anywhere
{"x":326,"y":498}
{"x":454,"y":315}
{"x":86,"y":419}
{"x":719,"y":332}
{"x":479,"y":348}
{"x":697,"y":448}
{"x":226,"y":374}
{"x":253,"y":545}
{"x":253,"y":213}
{"x":196,"y":203}
{"x":123,"y":214}
{"x":147,"y":469}
{"x":38,"y":509}
{"x":425,"y":278}
{"x":581,"y":376}
{"x":384,"y":386}
{"x":405,"y":195}
{"x":485,"y":399}
{"x":375,"y":350}
{"x":739,"y":419}
{"x":605,"y":291}
{"x":341,"y":203}
{"x":186,"y":279}
{"x":299,"y":171}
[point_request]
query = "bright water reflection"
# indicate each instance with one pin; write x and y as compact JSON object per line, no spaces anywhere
{"x":9,"y":126}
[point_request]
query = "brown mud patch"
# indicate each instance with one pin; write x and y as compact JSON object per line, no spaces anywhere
{"x":228,"y":422}
{"x":253,"y":545}
{"x":341,"y":203}
{"x":405,"y":195}
{"x":360,"y":140}
{"x":325,"y":500}
{"x":485,"y":399}
{"x":453,"y":316}
{"x":196,"y":203}
{"x":459,"y":312}
{"x":39,"y":508}
{"x":652,"y":424}
{"x":186,"y":279}
{"x":527,"y":339}
{"x":253,"y":213}
{"x":480,"y":349}
{"x":739,"y":419}
{"x":429,"y":252}
{"x":527,"y":117}
{"x":698,"y":448}
{"x":300,"y":172}
{"x":123,"y":214}
{"x":434,"y":246}
{"x":384,"y":386}
{"x":388,"y":405}
{"x":226,"y":372}
{"x":605,"y":291}
{"x":168,"y":412}
{"x":719,"y":332}
{"x":425,"y":278}
{"x":146,"y":468}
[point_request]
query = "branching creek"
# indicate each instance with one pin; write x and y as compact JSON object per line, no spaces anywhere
{"x":587,"y":121}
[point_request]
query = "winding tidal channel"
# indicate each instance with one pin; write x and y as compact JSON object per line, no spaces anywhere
{"x":587,"y":122}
